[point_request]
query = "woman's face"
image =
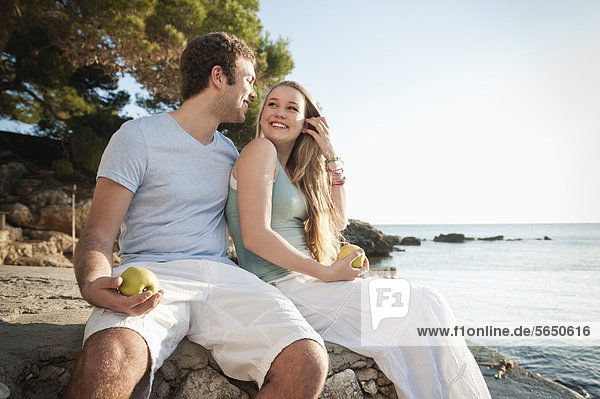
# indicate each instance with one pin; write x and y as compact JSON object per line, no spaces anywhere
{"x":282,"y":119}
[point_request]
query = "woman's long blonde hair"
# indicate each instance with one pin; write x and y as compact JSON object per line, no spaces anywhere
{"x":306,"y":167}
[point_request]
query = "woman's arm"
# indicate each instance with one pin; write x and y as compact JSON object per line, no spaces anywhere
{"x":255,"y":169}
{"x":338,"y":195}
{"x":338,"y":192}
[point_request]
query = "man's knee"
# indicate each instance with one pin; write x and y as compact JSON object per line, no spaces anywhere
{"x":115,"y":350}
{"x":111,"y":364}
{"x":303,"y":358}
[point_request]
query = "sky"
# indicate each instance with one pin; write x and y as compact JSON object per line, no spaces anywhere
{"x":454,"y":112}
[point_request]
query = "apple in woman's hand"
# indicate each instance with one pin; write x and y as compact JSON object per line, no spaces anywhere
{"x":347,"y":250}
{"x":137,"y":280}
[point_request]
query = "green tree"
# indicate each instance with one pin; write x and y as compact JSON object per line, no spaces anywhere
{"x":61,"y":61}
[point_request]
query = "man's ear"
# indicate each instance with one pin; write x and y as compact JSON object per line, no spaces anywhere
{"x":217,"y":77}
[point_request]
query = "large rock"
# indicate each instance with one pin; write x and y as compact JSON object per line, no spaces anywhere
{"x":11,"y":234}
{"x":59,"y":216}
{"x":495,"y":238}
{"x":191,"y":369}
{"x":43,"y":198}
{"x":20,"y":215}
{"x":343,"y":385}
{"x":410,"y":241}
{"x":452,"y":237}
{"x":63,"y":242}
{"x":373,"y":241}
{"x":207,"y":383}
{"x":33,"y":253}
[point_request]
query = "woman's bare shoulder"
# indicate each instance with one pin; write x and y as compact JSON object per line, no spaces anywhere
{"x":259,"y":154}
{"x":261,"y":145}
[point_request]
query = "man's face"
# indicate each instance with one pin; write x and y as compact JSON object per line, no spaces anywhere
{"x":236,"y":97}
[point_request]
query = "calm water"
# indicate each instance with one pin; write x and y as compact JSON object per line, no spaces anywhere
{"x":527,"y":280}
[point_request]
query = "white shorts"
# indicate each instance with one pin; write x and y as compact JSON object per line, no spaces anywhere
{"x":242,"y":320}
{"x":419,"y":367}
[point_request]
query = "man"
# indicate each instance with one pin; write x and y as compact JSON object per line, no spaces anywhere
{"x":164,"y":179}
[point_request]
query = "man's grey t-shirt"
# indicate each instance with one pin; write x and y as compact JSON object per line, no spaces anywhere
{"x":180,"y":189}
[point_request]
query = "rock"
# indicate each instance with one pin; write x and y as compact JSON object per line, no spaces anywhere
{"x":27,"y":186}
{"x":56,"y":260}
{"x":394,"y":240}
{"x":44,"y":198}
{"x":373,"y":241}
{"x":33,"y":253}
{"x":496,"y":238}
{"x":10,"y":173}
{"x":207,"y":383}
{"x":341,"y":358}
{"x":20,"y":215}
{"x":191,"y":356}
{"x":366,"y":374}
{"x":342,"y":385}
{"x":11,"y":234}
{"x":453,"y":237}
{"x":4,"y":391}
{"x":516,"y":380}
{"x":380,"y":272}
{"x":410,"y":241}
{"x":369,"y":387}
{"x":64,"y":242}
{"x":546,"y":238}
{"x":388,"y":391}
{"x":59,"y":217}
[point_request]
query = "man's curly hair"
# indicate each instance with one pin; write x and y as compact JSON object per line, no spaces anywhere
{"x":203,"y":53}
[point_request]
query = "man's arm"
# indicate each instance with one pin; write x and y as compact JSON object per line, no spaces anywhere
{"x":93,"y":254}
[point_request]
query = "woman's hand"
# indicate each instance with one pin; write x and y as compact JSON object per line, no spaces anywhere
{"x":342,"y":270}
{"x":321,"y":135}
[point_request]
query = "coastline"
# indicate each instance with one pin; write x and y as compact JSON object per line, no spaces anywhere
{"x":42,"y":317}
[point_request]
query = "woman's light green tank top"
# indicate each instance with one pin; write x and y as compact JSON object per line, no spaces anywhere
{"x":288,"y":214}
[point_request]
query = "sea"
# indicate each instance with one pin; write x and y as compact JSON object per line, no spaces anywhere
{"x":538,"y":275}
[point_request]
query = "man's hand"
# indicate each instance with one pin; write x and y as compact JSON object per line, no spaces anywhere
{"x":103,"y":292}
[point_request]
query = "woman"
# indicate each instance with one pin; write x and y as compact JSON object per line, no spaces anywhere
{"x":285,"y":210}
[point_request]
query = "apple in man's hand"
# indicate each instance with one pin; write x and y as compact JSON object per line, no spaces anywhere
{"x":137,"y":280}
{"x":347,"y":250}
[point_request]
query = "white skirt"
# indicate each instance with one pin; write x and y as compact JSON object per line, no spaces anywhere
{"x":420,"y":367}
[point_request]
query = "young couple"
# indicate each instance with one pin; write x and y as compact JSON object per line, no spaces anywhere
{"x":165,"y":181}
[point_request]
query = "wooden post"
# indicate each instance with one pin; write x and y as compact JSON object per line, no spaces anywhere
{"x":73,"y":220}
{"x":3,"y":220}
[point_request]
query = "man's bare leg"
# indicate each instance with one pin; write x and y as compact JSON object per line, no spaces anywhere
{"x":110,"y":365}
{"x":298,"y":372}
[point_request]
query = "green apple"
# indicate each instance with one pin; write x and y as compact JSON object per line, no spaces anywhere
{"x":347,"y":250}
{"x":137,"y":280}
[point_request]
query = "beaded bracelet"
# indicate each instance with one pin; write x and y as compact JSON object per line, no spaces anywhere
{"x":336,"y":177}
{"x":338,"y":183}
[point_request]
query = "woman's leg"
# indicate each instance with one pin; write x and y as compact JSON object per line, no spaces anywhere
{"x":418,"y":366}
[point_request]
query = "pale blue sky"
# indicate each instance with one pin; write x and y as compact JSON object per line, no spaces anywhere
{"x":455,"y":112}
